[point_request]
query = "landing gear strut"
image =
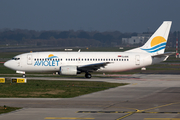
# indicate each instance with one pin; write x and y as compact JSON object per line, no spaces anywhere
{"x":24,"y":75}
{"x":88,"y":75}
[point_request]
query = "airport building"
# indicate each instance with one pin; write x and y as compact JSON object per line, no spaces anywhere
{"x":139,"y":39}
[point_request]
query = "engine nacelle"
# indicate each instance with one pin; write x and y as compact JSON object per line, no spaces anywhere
{"x":68,"y":70}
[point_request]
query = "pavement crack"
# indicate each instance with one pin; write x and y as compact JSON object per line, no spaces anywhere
{"x":109,"y":106}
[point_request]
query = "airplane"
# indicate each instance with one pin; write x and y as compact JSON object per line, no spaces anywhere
{"x":73,"y":63}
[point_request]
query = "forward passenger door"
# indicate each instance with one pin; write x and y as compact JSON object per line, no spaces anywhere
{"x":29,"y":59}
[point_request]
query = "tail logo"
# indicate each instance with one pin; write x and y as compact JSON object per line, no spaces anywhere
{"x":157,"y":43}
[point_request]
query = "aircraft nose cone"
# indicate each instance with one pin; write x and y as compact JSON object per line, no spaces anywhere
{"x":6,"y":64}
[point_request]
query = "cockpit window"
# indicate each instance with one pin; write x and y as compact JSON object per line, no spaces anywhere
{"x":15,"y":58}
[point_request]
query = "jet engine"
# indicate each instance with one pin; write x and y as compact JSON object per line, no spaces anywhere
{"x":68,"y":70}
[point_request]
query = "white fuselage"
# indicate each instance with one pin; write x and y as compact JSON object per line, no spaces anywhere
{"x":119,"y":61}
{"x":73,"y":63}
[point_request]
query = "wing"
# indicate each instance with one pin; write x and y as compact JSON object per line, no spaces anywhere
{"x":92,"y":67}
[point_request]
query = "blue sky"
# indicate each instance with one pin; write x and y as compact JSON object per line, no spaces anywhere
{"x":100,"y":15}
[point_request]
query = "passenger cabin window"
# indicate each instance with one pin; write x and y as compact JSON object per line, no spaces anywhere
{"x":85,"y":59}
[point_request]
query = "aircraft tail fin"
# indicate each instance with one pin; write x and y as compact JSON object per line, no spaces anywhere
{"x":157,"y":42}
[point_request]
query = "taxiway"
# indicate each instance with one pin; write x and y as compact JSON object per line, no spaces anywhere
{"x":147,"y":97}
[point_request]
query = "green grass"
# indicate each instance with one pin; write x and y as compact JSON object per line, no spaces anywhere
{"x":52,"y":89}
{"x":8,"y":54}
{"x":4,"y":70}
{"x":6,"y":109}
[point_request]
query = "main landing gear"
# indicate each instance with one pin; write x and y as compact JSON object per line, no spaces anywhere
{"x":88,"y":75}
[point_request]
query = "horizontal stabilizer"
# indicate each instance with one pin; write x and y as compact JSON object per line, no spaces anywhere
{"x":164,"y":54}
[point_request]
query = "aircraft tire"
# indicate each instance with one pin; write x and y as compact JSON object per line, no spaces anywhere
{"x":87,"y":75}
{"x":23,"y":75}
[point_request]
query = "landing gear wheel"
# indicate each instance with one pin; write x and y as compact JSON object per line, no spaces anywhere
{"x":23,"y":75}
{"x":87,"y":75}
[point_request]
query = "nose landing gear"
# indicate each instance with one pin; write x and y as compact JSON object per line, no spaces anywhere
{"x":24,"y":75}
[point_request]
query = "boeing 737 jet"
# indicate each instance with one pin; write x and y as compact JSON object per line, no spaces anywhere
{"x":73,"y":63}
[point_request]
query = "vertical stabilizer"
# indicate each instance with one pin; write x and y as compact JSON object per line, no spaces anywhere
{"x":157,"y":42}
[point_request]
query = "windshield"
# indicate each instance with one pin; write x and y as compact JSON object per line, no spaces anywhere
{"x":15,"y":58}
